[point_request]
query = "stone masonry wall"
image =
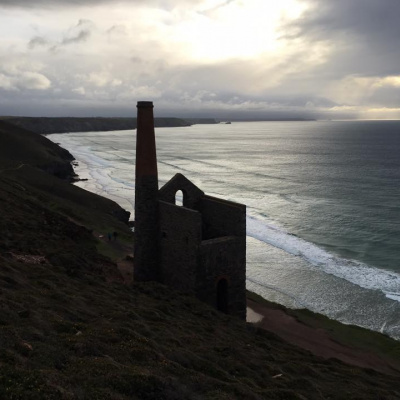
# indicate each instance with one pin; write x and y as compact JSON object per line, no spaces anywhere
{"x":191,"y":193}
{"x":223,"y":258}
{"x":222,"y":218}
{"x":180,"y":235}
{"x":146,"y":230}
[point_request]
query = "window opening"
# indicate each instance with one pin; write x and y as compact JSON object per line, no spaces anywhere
{"x":179,"y":198}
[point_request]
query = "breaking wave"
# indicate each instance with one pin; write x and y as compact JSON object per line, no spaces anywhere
{"x":355,"y":272}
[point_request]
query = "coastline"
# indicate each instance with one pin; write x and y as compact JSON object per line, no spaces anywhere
{"x":316,"y":333}
{"x":118,"y":186}
{"x":325,"y":337}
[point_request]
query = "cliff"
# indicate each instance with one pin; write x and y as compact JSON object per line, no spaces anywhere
{"x":72,"y":327}
{"x":33,"y":161}
{"x":45,"y":126}
{"x":19,"y":146}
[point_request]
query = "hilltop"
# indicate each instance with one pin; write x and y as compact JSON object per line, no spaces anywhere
{"x":73,"y":327}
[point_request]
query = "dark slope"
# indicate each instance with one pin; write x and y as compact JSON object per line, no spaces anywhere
{"x":34,"y":164}
{"x":70,"y":330}
{"x":19,"y":146}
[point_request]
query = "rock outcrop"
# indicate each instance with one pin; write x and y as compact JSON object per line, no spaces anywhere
{"x":27,"y":155}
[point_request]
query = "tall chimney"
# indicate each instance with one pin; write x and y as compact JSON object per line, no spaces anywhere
{"x":146,"y":266}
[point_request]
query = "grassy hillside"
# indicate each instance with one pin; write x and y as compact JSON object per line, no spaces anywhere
{"x":70,"y":328}
{"x":19,"y":146}
{"x":30,"y":166}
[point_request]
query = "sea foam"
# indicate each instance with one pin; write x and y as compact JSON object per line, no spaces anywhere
{"x":353,"y":271}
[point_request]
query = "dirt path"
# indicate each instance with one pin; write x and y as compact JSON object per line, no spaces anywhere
{"x":125,"y":262}
{"x":126,"y":269}
{"x":317,"y":341}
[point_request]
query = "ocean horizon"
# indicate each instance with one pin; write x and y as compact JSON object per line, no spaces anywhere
{"x":322,"y":204}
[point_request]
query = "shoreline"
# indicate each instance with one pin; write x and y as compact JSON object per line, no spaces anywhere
{"x":325,"y":337}
{"x":117,"y":198}
{"x":319,"y":328}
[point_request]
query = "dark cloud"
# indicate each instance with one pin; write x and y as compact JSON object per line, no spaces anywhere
{"x":78,"y":33}
{"x":49,"y":3}
{"x":373,"y":19}
{"x":79,"y":37}
{"x":363,"y":34}
{"x":166,"y":4}
{"x":210,"y":11}
{"x":37,"y":41}
{"x":118,"y":29}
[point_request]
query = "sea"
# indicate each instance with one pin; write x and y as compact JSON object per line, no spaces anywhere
{"x":323,"y":204}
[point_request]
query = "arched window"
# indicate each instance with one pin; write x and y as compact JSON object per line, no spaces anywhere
{"x":222,"y":295}
{"x":179,"y":198}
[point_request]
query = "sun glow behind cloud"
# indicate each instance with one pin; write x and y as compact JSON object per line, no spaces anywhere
{"x":233,"y":29}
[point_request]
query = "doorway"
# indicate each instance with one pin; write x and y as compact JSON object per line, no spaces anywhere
{"x":222,"y":295}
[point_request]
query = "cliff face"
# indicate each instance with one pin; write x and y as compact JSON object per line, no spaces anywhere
{"x":62,"y":125}
{"x":59,"y":169}
{"x":38,"y":162}
{"x":19,"y":146}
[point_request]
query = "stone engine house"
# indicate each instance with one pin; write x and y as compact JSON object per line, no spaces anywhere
{"x":198,"y":247}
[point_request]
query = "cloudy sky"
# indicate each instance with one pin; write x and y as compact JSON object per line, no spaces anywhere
{"x":219,"y":58}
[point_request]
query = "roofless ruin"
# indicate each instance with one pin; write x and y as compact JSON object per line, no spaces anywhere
{"x":199,"y":247}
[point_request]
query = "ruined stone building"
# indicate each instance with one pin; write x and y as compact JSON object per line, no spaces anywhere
{"x":198,"y":247}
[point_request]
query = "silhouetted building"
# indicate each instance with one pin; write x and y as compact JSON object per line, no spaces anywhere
{"x":198,"y":247}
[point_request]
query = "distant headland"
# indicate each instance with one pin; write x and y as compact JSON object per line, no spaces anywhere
{"x":48,"y":125}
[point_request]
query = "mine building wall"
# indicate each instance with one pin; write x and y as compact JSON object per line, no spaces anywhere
{"x":191,"y":193}
{"x":197,"y":246}
{"x":180,"y":235}
{"x":223,"y":259}
{"x":222,"y":218}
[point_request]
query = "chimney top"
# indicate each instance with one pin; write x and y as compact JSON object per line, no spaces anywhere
{"x":144,"y":104}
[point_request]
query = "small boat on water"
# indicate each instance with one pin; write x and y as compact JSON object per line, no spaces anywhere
{"x":228,"y":122}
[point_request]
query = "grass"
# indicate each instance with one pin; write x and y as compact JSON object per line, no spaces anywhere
{"x":349,"y":335}
{"x":69,"y":336}
{"x":18,"y":146}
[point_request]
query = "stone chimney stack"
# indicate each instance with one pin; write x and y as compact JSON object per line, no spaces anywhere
{"x":146,"y":265}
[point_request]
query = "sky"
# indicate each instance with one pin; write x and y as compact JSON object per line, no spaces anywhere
{"x":227,"y":59}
